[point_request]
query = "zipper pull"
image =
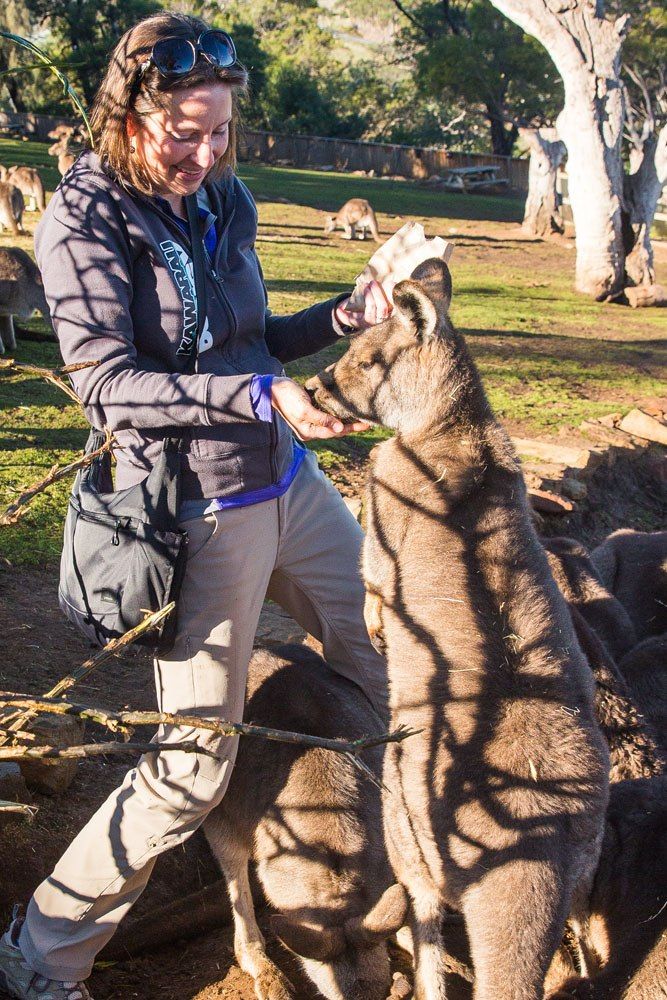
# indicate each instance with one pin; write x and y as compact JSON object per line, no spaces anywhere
{"x":115,"y":539}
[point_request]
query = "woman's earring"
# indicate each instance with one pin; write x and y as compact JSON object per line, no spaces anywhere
{"x":133,"y":148}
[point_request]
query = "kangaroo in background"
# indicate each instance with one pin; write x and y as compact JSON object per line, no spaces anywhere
{"x":497,"y":807}
{"x":63,"y":134}
{"x":11,"y":208}
{"x":355,"y":215}
{"x":21,"y":292}
{"x":312,"y":823}
{"x":30,"y":184}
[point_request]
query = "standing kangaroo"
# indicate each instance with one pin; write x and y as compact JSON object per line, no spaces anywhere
{"x":496,"y":808}
{"x":21,"y":292}
{"x":11,"y":208}
{"x":356,"y":214}
{"x":29,"y":183}
{"x":61,"y":148}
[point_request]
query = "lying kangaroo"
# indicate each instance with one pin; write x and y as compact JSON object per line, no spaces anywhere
{"x":356,"y":214}
{"x":21,"y":292}
{"x":30,"y":184}
{"x":633,"y":566}
{"x":313,"y":825}
{"x":11,"y":208}
{"x":645,"y":670}
{"x":580,"y":584}
{"x":496,"y":808}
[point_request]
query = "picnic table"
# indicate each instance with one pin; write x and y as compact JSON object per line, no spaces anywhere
{"x":469,"y":178}
{"x":11,"y":131}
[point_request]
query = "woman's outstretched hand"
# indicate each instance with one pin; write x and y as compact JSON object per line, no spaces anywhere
{"x":377,"y":308}
{"x":308,"y":423}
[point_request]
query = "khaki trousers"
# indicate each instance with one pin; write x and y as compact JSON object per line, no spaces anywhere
{"x":303,"y":549}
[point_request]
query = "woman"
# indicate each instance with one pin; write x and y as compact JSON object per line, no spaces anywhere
{"x":113,"y":248}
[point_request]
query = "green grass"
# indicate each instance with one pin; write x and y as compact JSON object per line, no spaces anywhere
{"x":549,"y":357}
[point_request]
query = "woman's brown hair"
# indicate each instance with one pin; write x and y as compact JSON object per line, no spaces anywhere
{"x":125,"y":91}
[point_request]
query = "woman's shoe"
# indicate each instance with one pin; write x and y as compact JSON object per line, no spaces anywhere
{"x":21,"y":982}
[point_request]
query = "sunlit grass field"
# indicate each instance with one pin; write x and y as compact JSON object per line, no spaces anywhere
{"x":549,"y":357}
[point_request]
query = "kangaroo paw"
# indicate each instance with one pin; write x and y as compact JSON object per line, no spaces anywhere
{"x":271,"y":984}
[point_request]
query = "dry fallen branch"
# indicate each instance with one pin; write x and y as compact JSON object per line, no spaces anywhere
{"x":15,"y":721}
{"x":16,"y":510}
{"x":18,"y":807}
{"x":53,"y":375}
{"x":86,"y":750}
{"x":124,"y":722}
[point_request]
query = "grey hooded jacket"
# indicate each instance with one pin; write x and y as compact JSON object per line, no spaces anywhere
{"x":118,"y":278}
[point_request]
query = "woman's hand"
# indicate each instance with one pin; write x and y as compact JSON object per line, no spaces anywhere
{"x":377,"y":308}
{"x":308,"y":423}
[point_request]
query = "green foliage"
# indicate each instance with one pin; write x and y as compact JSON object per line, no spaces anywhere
{"x":472,"y":52}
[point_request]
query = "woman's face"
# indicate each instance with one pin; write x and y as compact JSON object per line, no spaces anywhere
{"x":178,"y":144}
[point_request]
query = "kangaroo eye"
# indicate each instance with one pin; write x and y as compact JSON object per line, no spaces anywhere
{"x":366,"y":365}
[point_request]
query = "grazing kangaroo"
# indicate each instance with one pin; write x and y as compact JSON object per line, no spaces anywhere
{"x":633,"y":566}
{"x":355,"y":215}
{"x":29,"y":183}
{"x":313,"y":825}
{"x":496,"y":808}
{"x":11,"y":208}
{"x":21,"y":292}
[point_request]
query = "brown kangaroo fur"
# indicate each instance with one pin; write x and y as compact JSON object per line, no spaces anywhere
{"x":30,"y":184}
{"x":63,"y":134}
{"x":580,"y":584}
{"x":645,"y":670}
{"x":356,"y":214}
{"x":21,"y":292}
{"x":497,"y":807}
{"x":312,"y":823}
{"x":11,"y":208}
{"x":633,"y":566}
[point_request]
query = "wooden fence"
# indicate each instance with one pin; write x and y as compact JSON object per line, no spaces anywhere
{"x":381,"y":158}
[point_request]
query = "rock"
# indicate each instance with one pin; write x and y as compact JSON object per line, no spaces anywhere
{"x":609,"y":419}
{"x":53,"y":777}
{"x":549,"y":503}
{"x":354,"y":506}
{"x":573,"y":488}
{"x":655,"y":406}
{"x":656,"y":466}
{"x":276,"y":626}
{"x":610,"y":435}
{"x":12,"y":783}
{"x":640,"y":296}
{"x":571,"y":456}
{"x":644,"y":426}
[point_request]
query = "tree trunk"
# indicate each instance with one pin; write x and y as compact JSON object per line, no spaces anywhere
{"x":642,"y":191}
{"x":502,"y":138}
{"x":542,"y":215}
{"x":586,"y":51}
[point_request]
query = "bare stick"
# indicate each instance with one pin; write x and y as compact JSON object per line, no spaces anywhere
{"x":18,"y":807}
{"x":98,"y":750}
{"x":125,"y":721}
{"x":16,"y":510}
{"x":53,"y":375}
{"x":17,"y":720}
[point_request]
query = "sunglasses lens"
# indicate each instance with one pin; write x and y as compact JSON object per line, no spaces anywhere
{"x":174,"y":56}
{"x":218,"y":47}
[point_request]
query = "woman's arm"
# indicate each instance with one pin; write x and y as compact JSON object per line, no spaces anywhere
{"x":84,"y":255}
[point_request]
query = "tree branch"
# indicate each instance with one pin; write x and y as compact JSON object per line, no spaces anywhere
{"x":98,"y":750}
{"x":126,"y":721}
{"x":51,"y":375}
{"x":16,"y":510}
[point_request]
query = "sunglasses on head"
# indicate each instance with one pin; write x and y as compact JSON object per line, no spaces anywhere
{"x":174,"y":56}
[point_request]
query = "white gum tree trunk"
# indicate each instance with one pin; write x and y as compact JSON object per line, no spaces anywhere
{"x":586,"y":50}
{"x":541,"y":214}
{"x":643,"y":187}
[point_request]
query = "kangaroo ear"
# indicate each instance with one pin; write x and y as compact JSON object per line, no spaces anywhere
{"x":322,"y":945}
{"x":416,"y":309}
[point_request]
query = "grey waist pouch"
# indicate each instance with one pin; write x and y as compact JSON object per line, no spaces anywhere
{"x":123,"y":553}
